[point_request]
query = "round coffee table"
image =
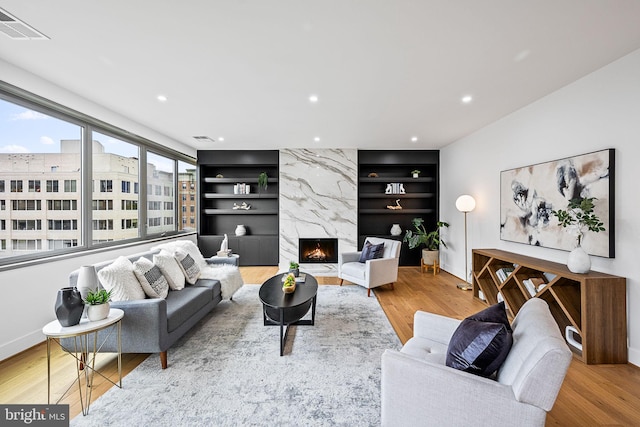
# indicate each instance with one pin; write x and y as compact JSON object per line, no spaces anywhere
{"x":288,"y":309}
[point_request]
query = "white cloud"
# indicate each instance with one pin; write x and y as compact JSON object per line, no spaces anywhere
{"x":14,"y":149}
{"x":28,"y":115}
{"x":46,"y":140}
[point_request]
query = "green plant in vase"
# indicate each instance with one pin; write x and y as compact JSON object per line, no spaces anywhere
{"x":430,"y":239}
{"x":263,"y":179}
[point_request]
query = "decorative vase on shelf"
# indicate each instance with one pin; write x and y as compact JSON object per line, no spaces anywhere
{"x":396,"y":230}
{"x":579,"y":261}
{"x":69,"y":306}
{"x":241,"y":230}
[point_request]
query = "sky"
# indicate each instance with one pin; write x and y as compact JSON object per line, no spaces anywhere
{"x":27,"y":131}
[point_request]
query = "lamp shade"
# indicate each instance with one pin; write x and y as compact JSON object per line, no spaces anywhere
{"x":465,"y":203}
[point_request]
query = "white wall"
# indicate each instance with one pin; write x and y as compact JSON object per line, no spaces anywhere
{"x":599,"y":111}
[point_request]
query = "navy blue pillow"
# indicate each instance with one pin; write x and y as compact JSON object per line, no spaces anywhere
{"x":481,"y":343}
{"x":370,"y":251}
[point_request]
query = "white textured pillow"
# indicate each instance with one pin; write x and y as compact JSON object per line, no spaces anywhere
{"x":153,"y":282}
{"x":118,"y":277}
{"x":188,"y":265}
{"x":186,"y":246}
{"x":170,"y":268}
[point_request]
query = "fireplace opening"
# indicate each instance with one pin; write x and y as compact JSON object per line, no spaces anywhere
{"x":318,"y":251}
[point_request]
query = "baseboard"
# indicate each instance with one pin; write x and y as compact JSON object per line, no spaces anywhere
{"x":21,"y":344}
{"x":634,"y":356}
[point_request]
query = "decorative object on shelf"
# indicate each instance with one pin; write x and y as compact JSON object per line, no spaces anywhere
{"x":87,"y":281}
{"x":69,"y":306}
{"x":243,"y":206}
{"x":219,"y":176}
{"x":395,"y":188}
{"x":241,"y":188}
{"x":289,"y":285}
{"x":431,"y":241}
{"x":294,"y":268}
{"x":570,"y":333}
{"x":396,"y":207}
{"x":578,"y":218}
{"x":396,"y":230}
{"x":415,"y":173}
{"x":98,"y":304}
{"x":465,"y":204}
{"x":373,"y":175}
{"x":529,"y":194}
{"x":241,"y":230}
{"x":263,"y":180}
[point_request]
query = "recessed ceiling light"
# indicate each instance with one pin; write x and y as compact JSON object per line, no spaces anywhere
{"x":316,"y":139}
{"x":161,"y":98}
{"x":313,"y":98}
{"x":467,"y":99}
{"x":414,"y":139}
{"x":220,"y":139}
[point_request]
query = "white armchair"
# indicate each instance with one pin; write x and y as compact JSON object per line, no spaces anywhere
{"x":373,"y":272}
{"x":418,"y":389}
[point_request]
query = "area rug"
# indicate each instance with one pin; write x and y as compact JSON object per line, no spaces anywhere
{"x":227,"y":371}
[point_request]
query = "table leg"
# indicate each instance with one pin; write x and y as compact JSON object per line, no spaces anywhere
{"x":282,"y":336}
{"x":48,"y":370}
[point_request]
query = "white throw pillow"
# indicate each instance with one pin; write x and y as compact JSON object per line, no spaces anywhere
{"x":170,"y":268}
{"x":153,"y":282}
{"x":119,"y":278}
{"x":188,"y":265}
{"x":186,"y":246}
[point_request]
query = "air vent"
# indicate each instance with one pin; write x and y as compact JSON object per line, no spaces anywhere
{"x":204,"y":139}
{"x":18,"y":30}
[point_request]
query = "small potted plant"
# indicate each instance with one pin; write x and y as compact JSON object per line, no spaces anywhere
{"x":431,"y":240}
{"x":262,"y":181}
{"x":579,"y":218}
{"x":294,"y":268}
{"x":416,"y":173}
{"x":98,"y":304}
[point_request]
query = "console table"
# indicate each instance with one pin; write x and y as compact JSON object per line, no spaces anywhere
{"x":86,"y":346}
{"x":593,"y":304}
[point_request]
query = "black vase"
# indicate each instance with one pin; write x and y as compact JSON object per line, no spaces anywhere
{"x":69,"y":306}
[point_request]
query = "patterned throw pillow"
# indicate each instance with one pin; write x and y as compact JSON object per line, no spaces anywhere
{"x":153,"y":282}
{"x":119,"y":278}
{"x":370,"y":251}
{"x":170,"y":268}
{"x":188,"y":265}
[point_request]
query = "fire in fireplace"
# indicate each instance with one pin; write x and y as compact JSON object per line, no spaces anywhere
{"x":318,"y":251}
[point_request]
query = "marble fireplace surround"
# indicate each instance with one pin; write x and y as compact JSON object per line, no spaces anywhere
{"x":318,"y":199}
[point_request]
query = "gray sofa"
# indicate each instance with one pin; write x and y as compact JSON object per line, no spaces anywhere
{"x":418,"y":389}
{"x":153,"y":325}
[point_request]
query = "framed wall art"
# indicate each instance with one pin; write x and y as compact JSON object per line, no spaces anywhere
{"x":529,"y":194}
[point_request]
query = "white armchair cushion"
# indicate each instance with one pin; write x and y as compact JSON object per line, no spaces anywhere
{"x":355,"y":269}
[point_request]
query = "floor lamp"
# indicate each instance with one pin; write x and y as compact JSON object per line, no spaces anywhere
{"x":465,"y":204}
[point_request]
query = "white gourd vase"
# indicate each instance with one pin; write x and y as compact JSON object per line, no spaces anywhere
{"x":241,"y":230}
{"x":579,"y":261}
{"x":396,"y":230}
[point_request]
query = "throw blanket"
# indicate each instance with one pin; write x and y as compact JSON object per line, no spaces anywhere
{"x":228,"y":275}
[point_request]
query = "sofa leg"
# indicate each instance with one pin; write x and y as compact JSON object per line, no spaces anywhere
{"x":392,"y":288}
{"x":163,"y":359}
{"x":341,"y":280}
{"x":368,"y":292}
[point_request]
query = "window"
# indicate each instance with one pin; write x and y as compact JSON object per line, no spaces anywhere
{"x":1,"y":185}
{"x":26,"y":245}
{"x":70,"y":186}
{"x":161,"y":173}
{"x":62,"y":205}
{"x":63,"y":224}
{"x":158,"y":190}
{"x":128,"y":224}
{"x":154,"y":222}
{"x":52,"y":186}
{"x":34,"y":186}
{"x":192,"y":197}
{"x":62,"y":244}
{"x":126,"y":186}
{"x":106,"y":185}
{"x":102,"y":224}
{"x":3,"y":224}
{"x":16,"y":186}
{"x":168,"y":220}
{"x":3,"y":244}
{"x":168,"y":206}
{"x":184,"y":197}
{"x":26,"y":205}
{"x":26,"y":224}
{"x":102,"y":205}
{"x":3,"y":205}
{"x":129,"y":205}
{"x":136,"y":188}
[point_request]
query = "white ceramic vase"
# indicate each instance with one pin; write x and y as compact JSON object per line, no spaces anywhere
{"x":579,"y":261}
{"x":396,"y":230}
{"x":98,"y":312}
{"x":241,"y":230}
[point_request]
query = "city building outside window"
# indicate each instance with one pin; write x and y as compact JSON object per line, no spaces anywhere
{"x":52,"y":186}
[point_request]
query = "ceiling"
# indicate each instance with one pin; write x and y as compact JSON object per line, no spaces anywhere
{"x":383,"y":71}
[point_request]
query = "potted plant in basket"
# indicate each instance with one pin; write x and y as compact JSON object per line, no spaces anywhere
{"x":98,"y":304}
{"x":431,"y":240}
{"x":579,"y":217}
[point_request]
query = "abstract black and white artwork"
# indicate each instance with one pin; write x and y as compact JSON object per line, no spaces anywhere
{"x":528,"y":195}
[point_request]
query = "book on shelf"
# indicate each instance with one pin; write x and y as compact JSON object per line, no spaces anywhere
{"x":534,"y":285}
{"x":504,"y":272}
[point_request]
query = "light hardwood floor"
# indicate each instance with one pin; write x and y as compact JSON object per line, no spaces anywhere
{"x":592,"y":395}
